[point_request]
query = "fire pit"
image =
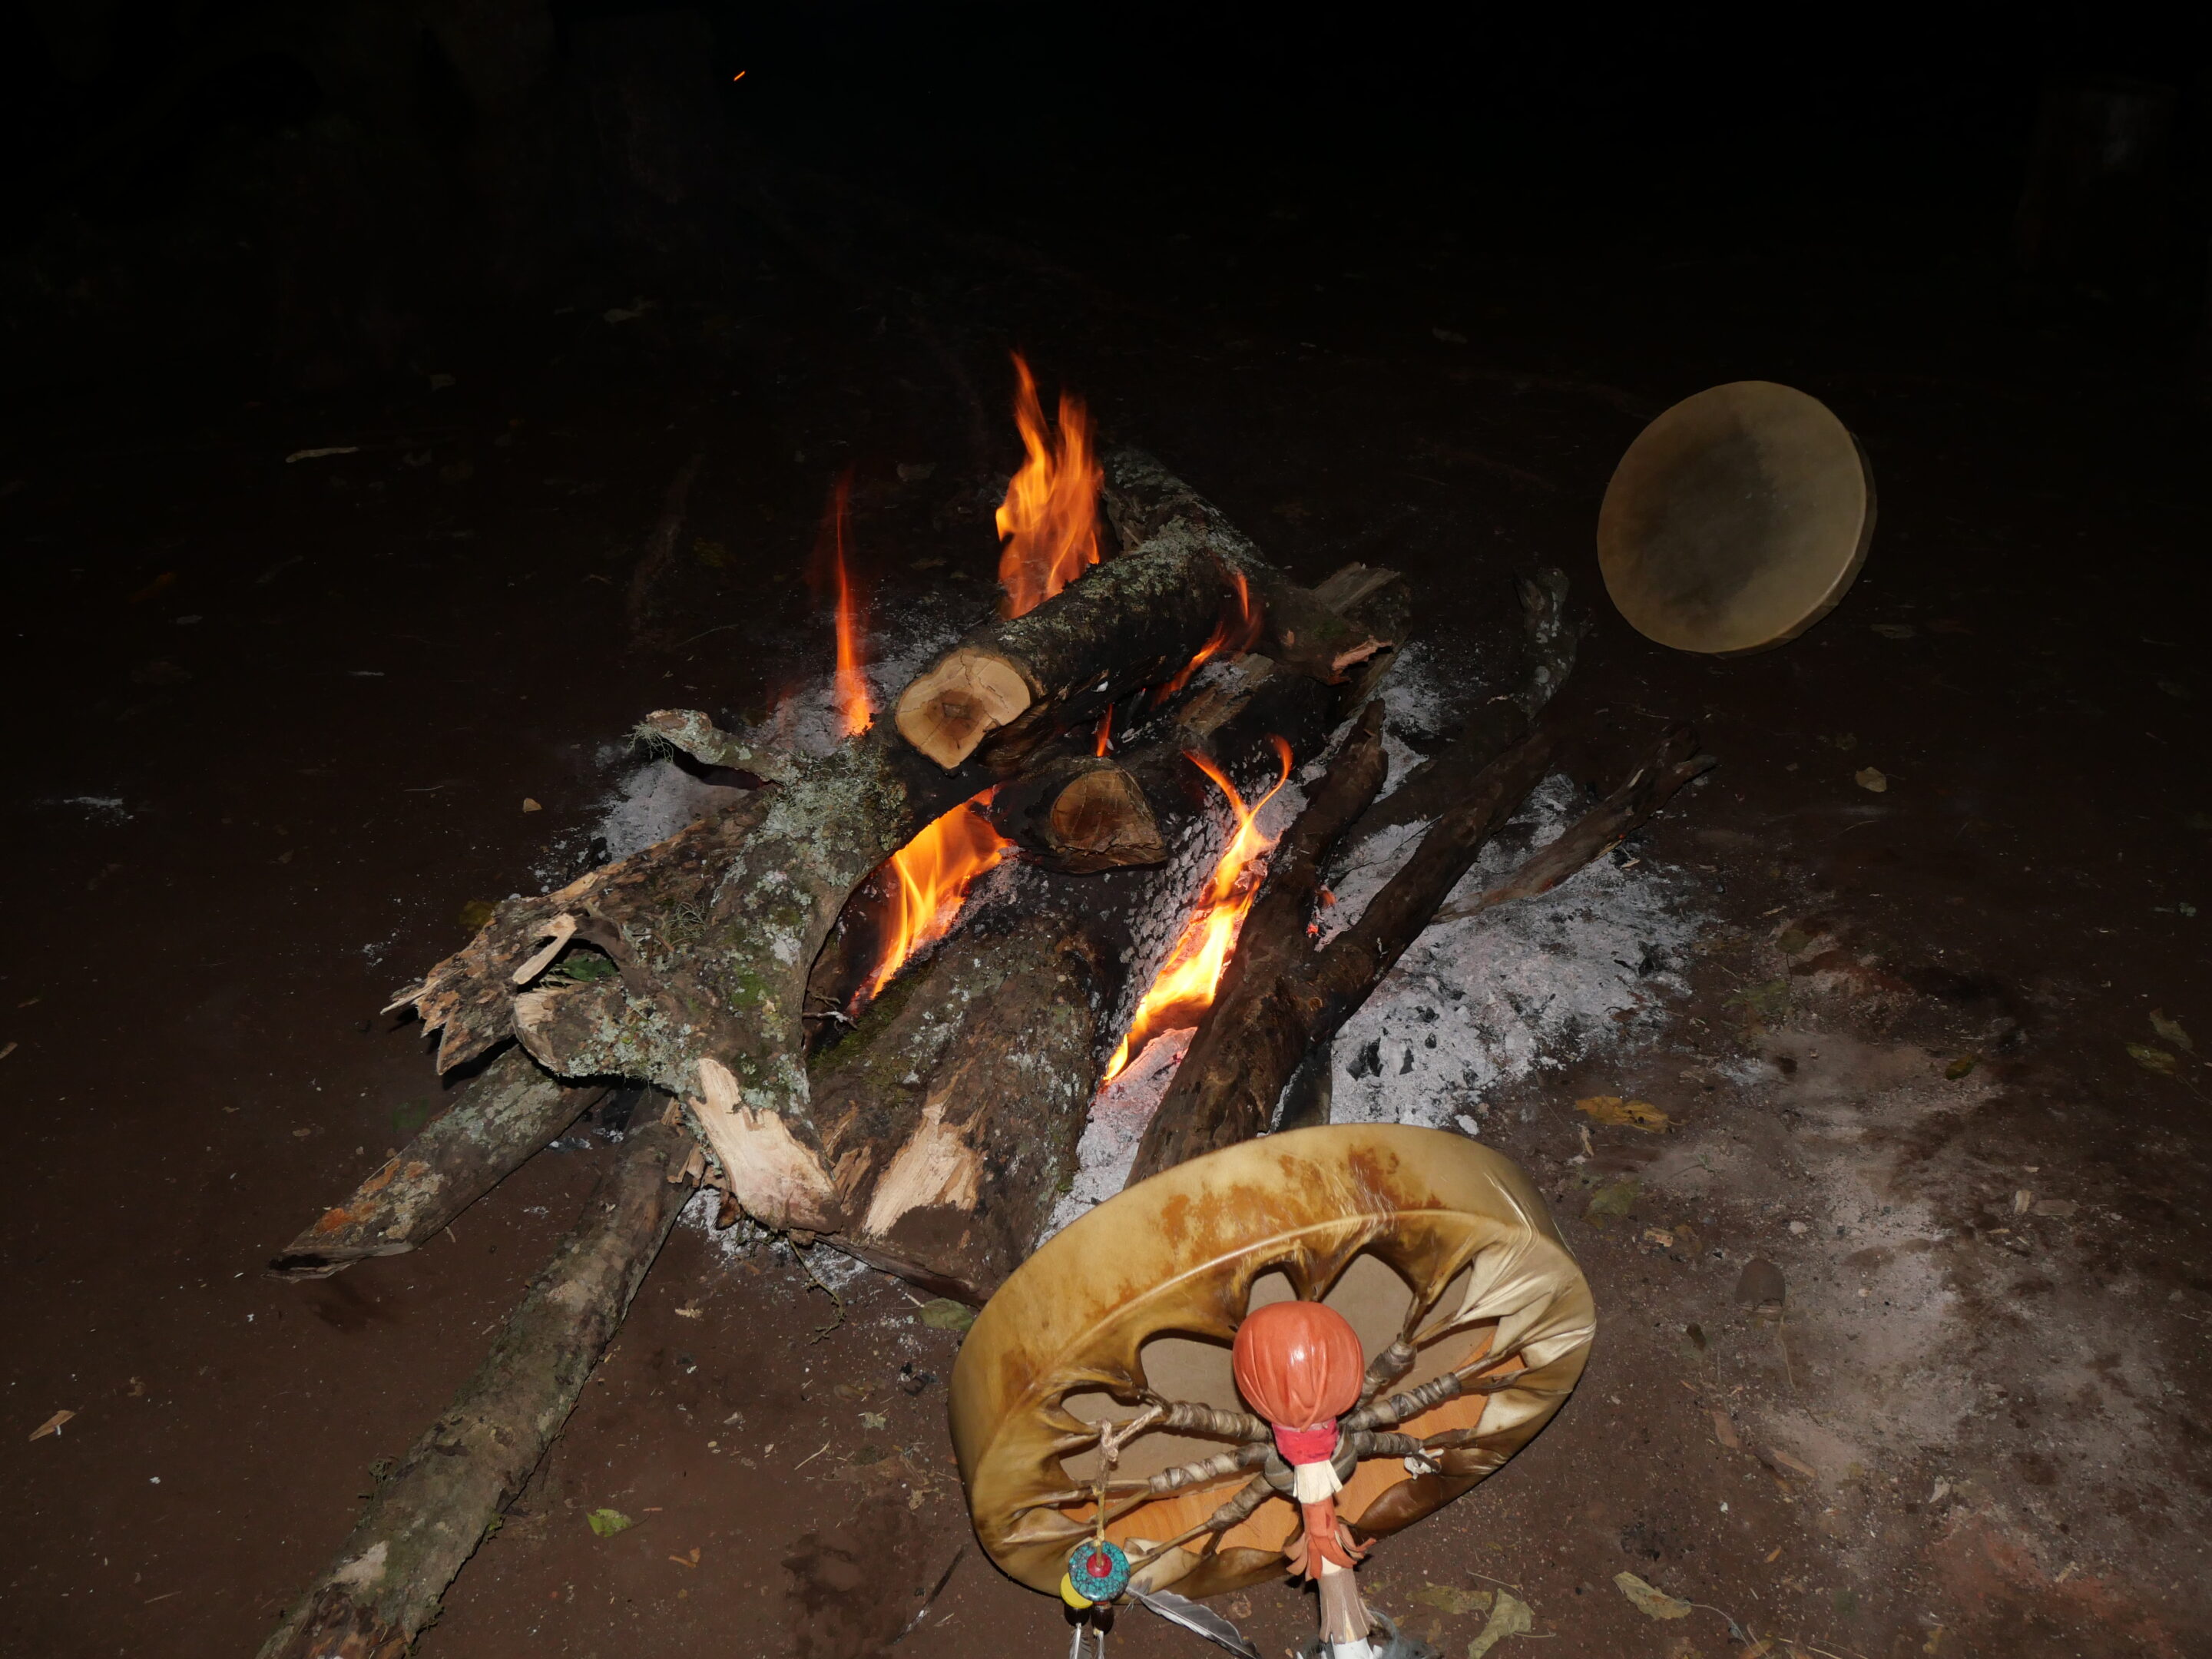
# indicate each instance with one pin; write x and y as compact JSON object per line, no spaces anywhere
{"x":831,"y":1036}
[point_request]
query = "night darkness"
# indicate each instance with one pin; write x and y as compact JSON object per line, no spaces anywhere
{"x":402,"y":401}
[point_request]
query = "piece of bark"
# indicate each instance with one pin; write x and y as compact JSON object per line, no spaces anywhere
{"x":1272,"y":947}
{"x":1250,"y":1046}
{"x":428,"y":1518}
{"x":711,"y":932}
{"x":957,"y":1101}
{"x":497,"y":1119}
{"x":1673,"y":761}
{"x":1548,"y":650}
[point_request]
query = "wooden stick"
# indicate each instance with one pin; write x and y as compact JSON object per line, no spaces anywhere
{"x":495,"y":1122}
{"x":428,"y":1518}
{"x":1674,"y":761}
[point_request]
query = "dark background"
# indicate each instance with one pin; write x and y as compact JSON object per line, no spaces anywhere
{"x":312,"y":198}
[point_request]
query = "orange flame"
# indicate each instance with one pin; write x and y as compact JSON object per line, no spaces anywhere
{"x":1234,"y":635}
{"x":1185,"y":985}
{"x":1104,"y":739}
{"x":1049,"y":520}
{"x":856,"y":711}
{"x":934,"y":871}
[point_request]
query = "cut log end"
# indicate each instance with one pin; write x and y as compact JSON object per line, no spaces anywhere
{"x":948,"y":711}
{"x":1103,"y":822}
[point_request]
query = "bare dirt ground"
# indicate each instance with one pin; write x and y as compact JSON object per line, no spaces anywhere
{"x":272,"y":725}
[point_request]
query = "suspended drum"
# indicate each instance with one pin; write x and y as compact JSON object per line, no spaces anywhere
{"x":1102,"y":1365}
{"x":1736,"y":521}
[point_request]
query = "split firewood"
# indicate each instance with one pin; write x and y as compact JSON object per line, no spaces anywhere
{"x":441,"y":1502}
{"x":496,"y":1120}
{"x":1675,"y":761}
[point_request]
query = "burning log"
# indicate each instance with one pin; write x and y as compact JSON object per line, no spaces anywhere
{"x":957,"y":1101}
{"x":1191,"y":586}
{"x":499,"y":1119}
{"x":440,"y":1503}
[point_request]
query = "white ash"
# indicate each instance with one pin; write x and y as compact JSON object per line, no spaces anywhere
{"x":1523,"y":988}
{"x":1118,"y":1117}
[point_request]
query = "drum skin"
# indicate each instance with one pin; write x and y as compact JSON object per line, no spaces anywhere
{"x":1178,"y":1254}
{"x":1736,"y":521}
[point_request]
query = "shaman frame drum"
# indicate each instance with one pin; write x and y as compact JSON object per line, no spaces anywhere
{"x":1736,"y":521}
{"x":1473,"y":1315}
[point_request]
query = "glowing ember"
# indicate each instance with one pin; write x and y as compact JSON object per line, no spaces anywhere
{"x":1104,"y":740}
{"x":934,"y":872}
{"x":1049,"y":520}
{"x":1233,"y":634}
{"x":854,"y":710}
{"x":1184,"y":988}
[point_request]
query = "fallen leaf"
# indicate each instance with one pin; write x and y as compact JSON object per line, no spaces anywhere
{"x":1651,"y":1602}
{"x":2153,"y":1059}
{"x":1769,"y":1002}
{"x":1961,"y":1066}
{"x":1774,"y":1555}
{"x":1626,"y":1114}
{"x":692,"y":1560}
{"x":530,"y":805}
{"x":946,"y":1315}
{"x":1615,"y":1198}
{"x":874,"y":1420}
{"x":608,"y":1522}
{"x":476,"y":912}
{"x":1871,"y":777}
{"x":2171,"y":1031}
{"x":1792,"y":1464}
{"x":1724,"y":1432}
{"x":1761,"y":1283}
{"x":1793,"y":940}
{"x":1894,"y":630}
{"x":1452,"y":1599}
{"x":52,"y":1425}
{"x":1509,"y":1616}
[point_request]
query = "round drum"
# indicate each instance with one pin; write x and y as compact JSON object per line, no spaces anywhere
{"x":1736,"y":521}
{"x":1421,"y":1238}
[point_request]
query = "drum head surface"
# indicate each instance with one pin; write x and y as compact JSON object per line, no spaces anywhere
{"x":1736,"y":521}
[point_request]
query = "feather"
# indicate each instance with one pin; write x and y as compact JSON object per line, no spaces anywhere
{"x":1193,"y":1616}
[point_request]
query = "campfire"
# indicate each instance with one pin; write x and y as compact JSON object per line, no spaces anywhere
{"x":909,"y":1085}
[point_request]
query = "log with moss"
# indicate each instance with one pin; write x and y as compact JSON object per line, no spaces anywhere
{"x":447,"y":1492}
{"x":498,"y":1119}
